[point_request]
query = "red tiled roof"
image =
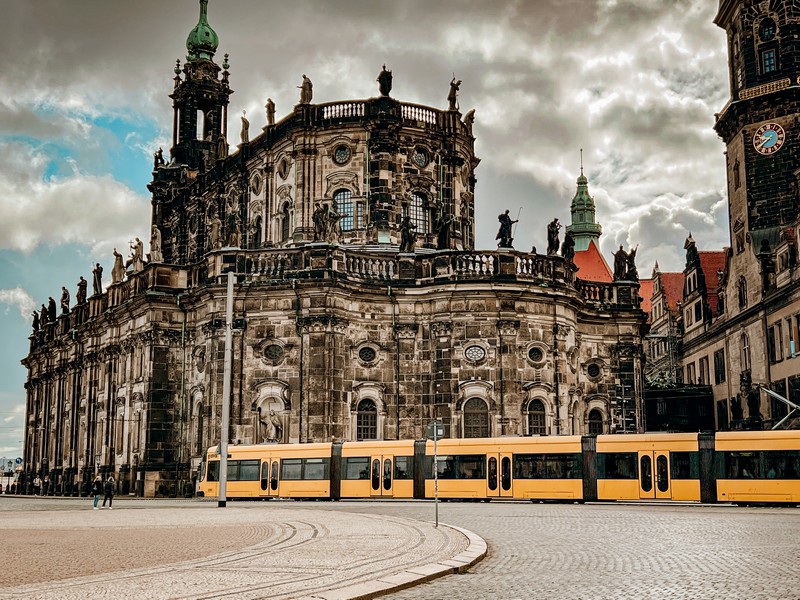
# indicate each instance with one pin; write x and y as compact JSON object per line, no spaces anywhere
{"x":646,"y":293}
{"x":712,"y":261}
{"x":672,"y":284}
{"x":591,"y":264}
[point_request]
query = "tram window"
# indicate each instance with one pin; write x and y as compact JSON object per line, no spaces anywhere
{"x":233,"y":470}
{"x":548,"y":466}
{"x":782,"y":464}
{"x":264,"y":475}
{"x":468,"y":466}
{"x":202,"y":470}
{"x":387,"y":474}
{"x":213,"y":470}
{"x":403,"y":467}
{"x":292,"y":469}
{"x":356,"y":467}
{"x":742,"y":465}
{"x":646,"y":464}
{"x":617,"y":465}
{"x":662,"y":473}
{"x":248,"y":470}
{"x":685,"y":465}
{"x":273,"y":483}
{"x":315,"y":468}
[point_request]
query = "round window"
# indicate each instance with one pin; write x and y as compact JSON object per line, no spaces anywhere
{"x":475,"y":353}
{"x":420,"y":157}
{"x":593,"y":370}
{"x":341,"y":154}
{"x":535,"y":354}
{"x":367,"y":354}
{"x":273,"y":352}
{"x":283,"y":168}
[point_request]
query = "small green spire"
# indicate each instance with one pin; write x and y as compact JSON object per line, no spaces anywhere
{"x":202,"y":41}
{"x":583,"y":227}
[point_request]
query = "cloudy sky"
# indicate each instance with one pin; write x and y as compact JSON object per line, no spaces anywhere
{"x":83,"y":104}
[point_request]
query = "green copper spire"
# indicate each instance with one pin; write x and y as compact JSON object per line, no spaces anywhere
{"x":583,"y":227}
{"x":202,"y":41}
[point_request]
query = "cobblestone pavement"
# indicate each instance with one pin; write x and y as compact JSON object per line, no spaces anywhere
{"x":618,"y":551}
{"x":536,"y":551}
{"x":61,"y":548}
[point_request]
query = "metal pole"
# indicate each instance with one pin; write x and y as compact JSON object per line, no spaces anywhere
{"x":435,"y":474}
{"x":226,"y":398}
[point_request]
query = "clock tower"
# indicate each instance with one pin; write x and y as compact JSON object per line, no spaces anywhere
{"x":760,"y":124}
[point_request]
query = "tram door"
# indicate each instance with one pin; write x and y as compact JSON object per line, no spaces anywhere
{"x":270,"y":471}
{"x":654,"y":479}
{"x":498,"y":476}
{"x":381,"y":470}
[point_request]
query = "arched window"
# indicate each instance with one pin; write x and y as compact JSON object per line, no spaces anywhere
{"x":418,"y":213}
{"x":199,"y":443}
{"x":344,"y":206}
{"x":745,"y":342}
{"x":742,"y":291}
{"x":536,"y":422}
{"x":476,"y":418}
{"x":366,"y":421}
{"x":285,"y":223}
{"x":595,"y":421}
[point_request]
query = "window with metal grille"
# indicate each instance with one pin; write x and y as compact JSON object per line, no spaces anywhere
{"x":476,"y":418}
{"x":344,"y":205}
{"x":536,"y":421}
{"x":595,"y":421}
{"x":366,"y":421}
{"x":768,"y":60}
{"x":419,"y":213}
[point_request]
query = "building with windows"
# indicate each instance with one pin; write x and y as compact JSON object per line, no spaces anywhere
{"x":337,"y":334}
{"x":738,"y":320}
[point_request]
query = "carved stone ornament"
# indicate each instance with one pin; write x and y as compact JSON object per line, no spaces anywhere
{"x":256,"y":183}
{"x":441,"y":328}
{"x":335,"y":181}
{"x":406,"y":331}
{"x":508,"y":327}
{"x":322,"y":323}
{"x":572,"y":359}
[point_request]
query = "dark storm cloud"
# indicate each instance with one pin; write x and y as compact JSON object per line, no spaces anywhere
{"x":635,"y":83}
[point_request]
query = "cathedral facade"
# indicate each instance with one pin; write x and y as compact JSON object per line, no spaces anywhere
{"x":362,"y":309}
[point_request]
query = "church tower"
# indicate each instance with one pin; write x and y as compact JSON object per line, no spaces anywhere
{"x":200,"y":98}
{"x":760,"y":124}
{"x":583,"y":228}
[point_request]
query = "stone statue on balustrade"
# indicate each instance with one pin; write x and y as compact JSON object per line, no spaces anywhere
{"x":306,"y":90}
{"x":452,"y":95}
{"x":333,"y":230}
{"x":552,"y":237}
{"x":568,"y":247}
{"x":155,"y":245}
{"x":158,"y":159}
{"x":51,"y":310}
{"x":44,"y":316}
{"x":443,"y":231}
{"x":632,"y":273}
{"x":469,"y":119}
{"x":620,"y":264}
{"x":35,"y":316}
{"x":319,"y":219}
{"x":80,"y":296}
{"x":64,"y":300}
{"x":118,"y":270}
{"x":137,"y":255}
{"x":504,"y":234}
{"x":408,"y":237}
{"x":97,"y":280}
{"x":385,"y":81}
{"x":245,"y":133}
{"x":270,"y":107}
{"x":215,"y":232}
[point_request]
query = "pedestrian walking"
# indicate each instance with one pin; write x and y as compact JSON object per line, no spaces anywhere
{"x":108,"y":492}
{"x":37,"y":485}
{"x":97,"y":489}
{"x":46,"y":485}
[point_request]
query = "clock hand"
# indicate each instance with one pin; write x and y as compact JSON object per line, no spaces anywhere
{"x":764,"y":140}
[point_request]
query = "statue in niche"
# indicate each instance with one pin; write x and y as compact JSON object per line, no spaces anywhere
{"x":245,"y":133}
{"x":620,"y":264}
{"x":452,"y":96}
{"x":215,"y":232}
{"x":306,"y":90}
{"x":469,"y":119}
{"x":80,"y":296}
{"x":504,"y":233}
{"x":385,"y":81}
{"x":118,"y":270}
{"x":233,"y":230}
{"x":568,"y":247}
{"x":97,"y":280}
{"x":552,"y":237}
{"x":255,"y":233}
{"x":222,"y":147}
{"x":443,"y":231}
{"x":155,"y":245}
{"x":408,"y":237}
{"x":270,"y":106}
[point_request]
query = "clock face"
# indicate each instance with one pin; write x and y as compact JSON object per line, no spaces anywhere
{"x":769,"y":138}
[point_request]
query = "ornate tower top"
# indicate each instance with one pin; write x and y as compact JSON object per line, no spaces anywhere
{"x":583,"y":227}
{"x":203,"y":40}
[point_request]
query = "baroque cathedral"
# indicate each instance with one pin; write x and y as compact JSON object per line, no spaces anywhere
{"x":362,"y":309}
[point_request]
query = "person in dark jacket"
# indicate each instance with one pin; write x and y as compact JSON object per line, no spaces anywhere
{"x":97,"y":489}
{"x":108,"y":492}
